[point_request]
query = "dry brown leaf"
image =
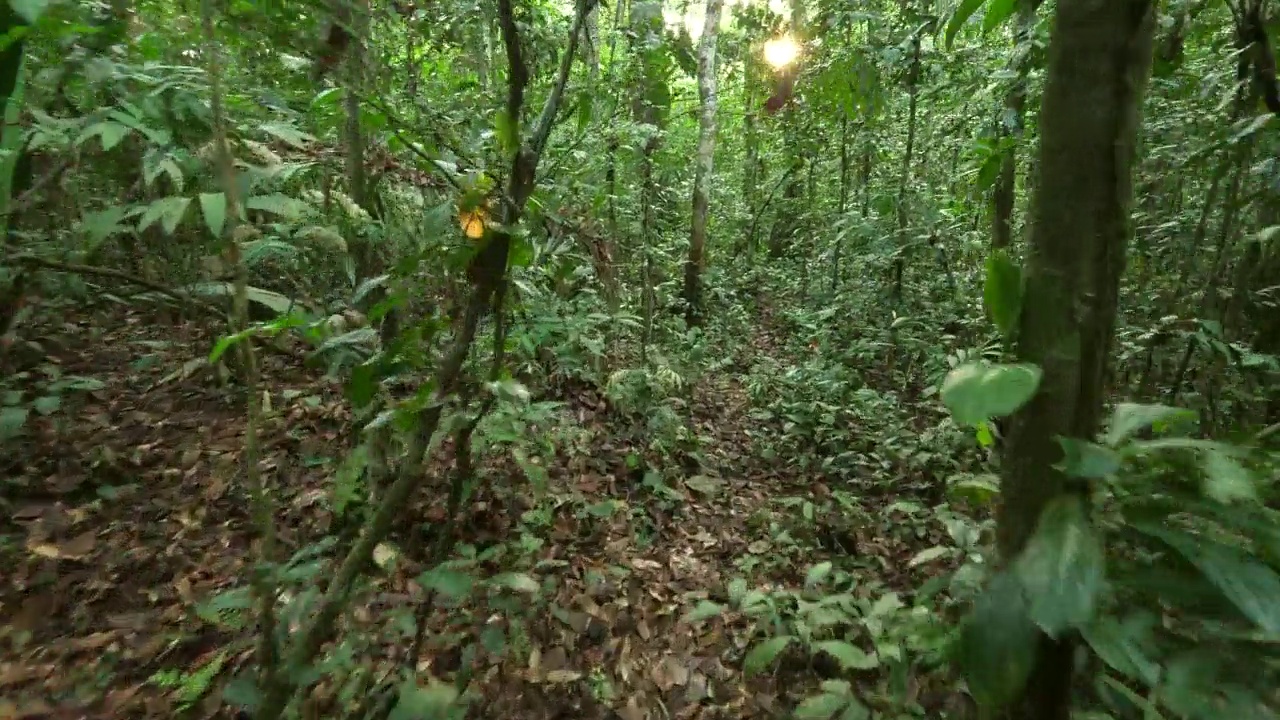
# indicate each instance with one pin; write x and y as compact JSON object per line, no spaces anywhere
{"x":668,"y":673}
{"x":557,"y":677}
{"x":631,"y":711}
{"x":79,"y":546}
{"x":95,"y":641}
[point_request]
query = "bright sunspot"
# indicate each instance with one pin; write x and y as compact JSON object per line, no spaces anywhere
{"x":781,"y":51}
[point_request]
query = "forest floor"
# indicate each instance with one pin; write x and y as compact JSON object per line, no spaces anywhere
{"x":125,"y":514}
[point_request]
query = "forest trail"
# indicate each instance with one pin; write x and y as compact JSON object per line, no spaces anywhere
{"x":110,"y":559}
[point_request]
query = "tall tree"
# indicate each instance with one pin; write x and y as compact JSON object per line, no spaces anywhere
{"x":704,"y":164}
{"x":1098,"y":64}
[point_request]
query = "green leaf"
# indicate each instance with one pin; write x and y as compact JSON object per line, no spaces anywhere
{"x":817,"y":573}
{"x":452,"y":584}
{"x":111,"y":134}
{"x":1125,"y":645}
{"x":277,"y":303}
{"x":763,"y":655}
{"x":855,"y":711}
{"x":12,"y":420}
{"x":169,"y":211}
{"x":1063,"y":566}
{"x":976,"y":392}
{"x":287,"y":133}
{"x":979,"y":489}
{"x":424,"y":703}
{"x":214,"y":208}
{"x":30,"y":10}
{"x":519,"y":582}
{"x":79,"y":383}
{"x":277,"y":204}
{"x":102,"y":224}
{"x":1250,"y":585}
{"x":256,"y":252}
{"x":704,"y":611}
{"x":820,"y":707}
{"x":960,"y":17}
{"x":226,"y":342}
{"x":1084,"y":459}
{"x":506,"y":131}
{"x":1002,"y":293}
{"x":851,"y":657}
{"x":1130,"y":418}
{"x":997,"y":645}
{"x":929,"y":555}
{"x":997,"y":12}
{"x":837,"y":687}
{"x":47,"y":404}
{"x":1226,"y":480}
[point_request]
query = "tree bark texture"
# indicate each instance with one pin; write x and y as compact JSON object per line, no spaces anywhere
{"x":1099,"y":61}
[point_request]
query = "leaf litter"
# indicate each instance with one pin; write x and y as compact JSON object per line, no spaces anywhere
{"x":130,"y":514}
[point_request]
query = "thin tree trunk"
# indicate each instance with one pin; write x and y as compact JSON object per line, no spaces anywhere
{"x":705,"y":165}
{"x":1010,"y":124}
{"x":904,"y":179}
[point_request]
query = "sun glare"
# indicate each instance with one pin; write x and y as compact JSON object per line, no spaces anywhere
{"x":781,"y":51}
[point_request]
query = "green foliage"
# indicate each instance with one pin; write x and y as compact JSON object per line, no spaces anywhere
{"x":975,"y":392}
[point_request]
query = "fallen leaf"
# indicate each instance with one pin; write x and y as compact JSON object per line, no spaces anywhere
{"x":557,"y":677}
{"x":669,"y":673}
{"x":631,"y":711}
{"x":95,"y":641}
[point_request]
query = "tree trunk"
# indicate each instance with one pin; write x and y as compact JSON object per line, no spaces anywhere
{"x":904,"y":180}
{"x":1010,"y":124}
{"x":1098,"y":64}
{"x":705,"y":165}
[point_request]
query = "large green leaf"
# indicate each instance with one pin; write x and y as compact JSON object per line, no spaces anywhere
{"x":1002,"y":293}
{"x":851,"y":657}
{"x":1226,"y":480}
{"x":821,"y":707}
{"x":276,"y":302}
{"x":960,"y":17}
{"x":1125,"y":645}
{"x":30,"y":10}
{"x":111,"y":134}
{"x":1248,"y":584}
{"x":997,"y":12}
{"x":432,"y":702}
{"x":763,"y":655}
{"x":975,"y":392}
{"x":12,"y":420}
{"x":1084,"y":459}
{"x":214,"y":208}
{"x":168,"y":210}
{"x":277,"y":204}
{"x":1063,"y":567}
{"x":997,"y":646}
{"x":453,"y":584}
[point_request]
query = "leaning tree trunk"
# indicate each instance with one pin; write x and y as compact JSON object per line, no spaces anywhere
{"x":705,"y":164}
{"x":1098,"y":64}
